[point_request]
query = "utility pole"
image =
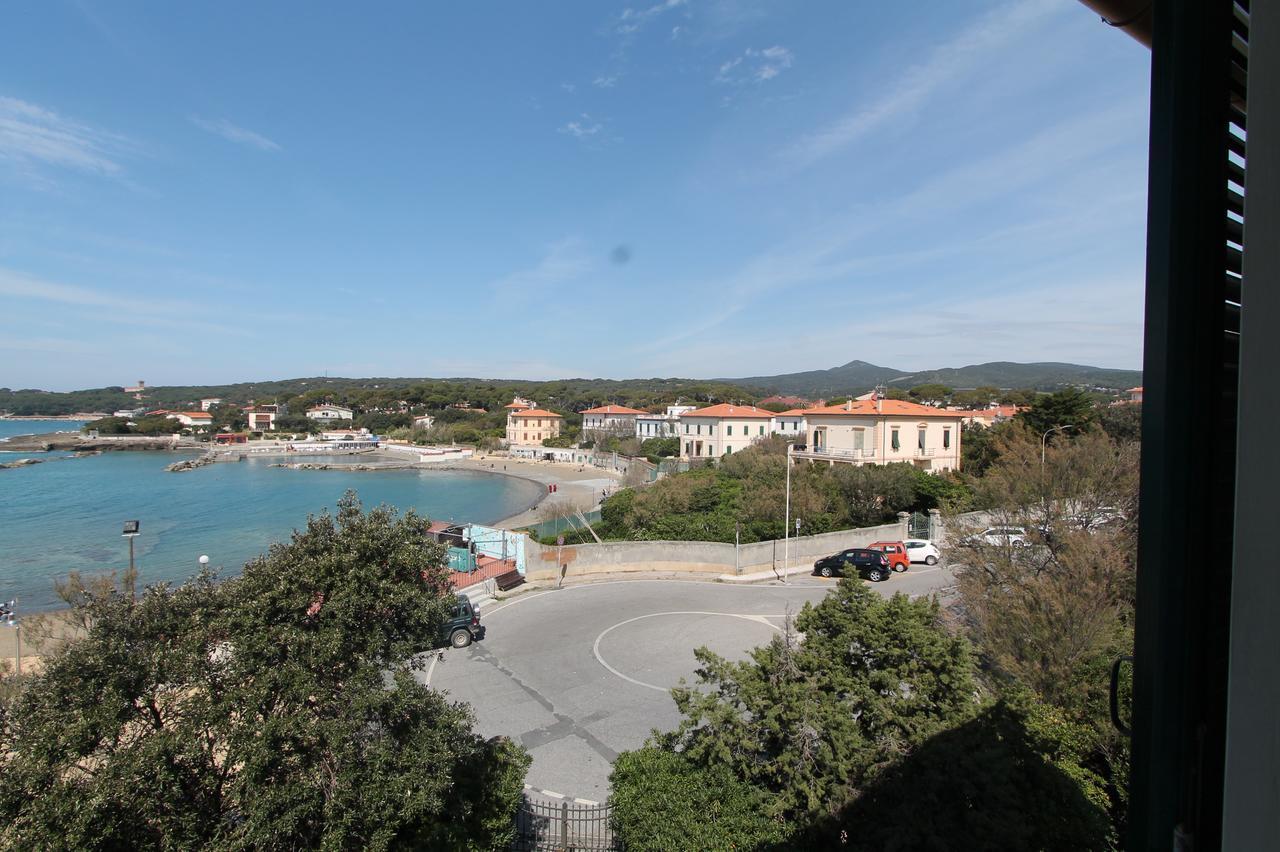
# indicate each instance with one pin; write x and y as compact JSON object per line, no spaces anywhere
{"x":786,"y":522}
{"x":737,"y":529}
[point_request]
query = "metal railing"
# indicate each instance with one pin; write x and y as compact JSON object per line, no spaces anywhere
{"x":925,"y":453}
{"x":828,"y":451}
{"x":563,"y":826}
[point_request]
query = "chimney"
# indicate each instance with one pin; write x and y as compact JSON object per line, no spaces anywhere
{"x":848,"y":405}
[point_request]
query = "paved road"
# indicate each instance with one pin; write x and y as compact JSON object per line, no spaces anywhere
{"x":578,"y":674}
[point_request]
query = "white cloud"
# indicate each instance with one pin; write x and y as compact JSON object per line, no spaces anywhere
{"x":584,"y":127}
{"x":234,"y":133}
{"x":605,"y":82}
{"x":947,"y":62}
{"x":755,"y":66}
{"x":32,"y":137}
{"x":569,"y":87}
{"x":633,"y":20}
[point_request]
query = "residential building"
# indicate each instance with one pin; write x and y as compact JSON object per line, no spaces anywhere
{"x":191,"y":418}
{"x":988,"y":416}
{"x":262,"y":418}
{"x":722,"y":429}
{"x":883,"y":431}
{"x":610,"y":420}
{"x":423,"y":421}
{"x":665,"y":425}
{"x":329,"y":412}
{"x":128,"y":413}
{"x":791,"y":423}
{"x":518,"y":403}
{"x":1135,"y":394}
{"x":210,"y":402}
{"x":532,"y":425}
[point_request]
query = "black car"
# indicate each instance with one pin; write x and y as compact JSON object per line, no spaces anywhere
{"x":872,"y":564}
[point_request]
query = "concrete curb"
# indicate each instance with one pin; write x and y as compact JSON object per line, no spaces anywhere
{"x":764,"y":576}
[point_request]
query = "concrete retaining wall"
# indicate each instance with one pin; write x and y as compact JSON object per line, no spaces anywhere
{"x":694,"y":557}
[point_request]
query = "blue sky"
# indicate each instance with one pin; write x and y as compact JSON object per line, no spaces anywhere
{"x":240,"y":191}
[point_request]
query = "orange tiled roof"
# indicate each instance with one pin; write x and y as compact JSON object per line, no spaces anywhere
{"x":516,"y":405}
{"x":613,"y":409}
{"x":801,"y":412}
{"x":534,"y":412}
{"x":888,"y":407}
{"x":725,"y":409}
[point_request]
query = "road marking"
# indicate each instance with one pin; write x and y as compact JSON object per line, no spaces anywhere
{"x":431,"y":668}
{"x":595,"y":648}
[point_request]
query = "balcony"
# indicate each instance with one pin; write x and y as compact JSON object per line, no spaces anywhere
{"x":801,"y":451}
{"x":925,"y":454}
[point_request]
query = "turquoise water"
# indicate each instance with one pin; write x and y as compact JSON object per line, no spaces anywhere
{"x":66,"y":514}
{"x":9,"y":428}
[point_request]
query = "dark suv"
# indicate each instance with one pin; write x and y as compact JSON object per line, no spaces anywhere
{"x":872,"y":564}
{"x":462,"y":624}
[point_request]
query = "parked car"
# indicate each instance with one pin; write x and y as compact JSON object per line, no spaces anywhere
{"x":895,"y":552}
{"x":1014,"y":536}
{"x":462,"y":624}
{"x":872,"y":564}
{"x":922,"y":550}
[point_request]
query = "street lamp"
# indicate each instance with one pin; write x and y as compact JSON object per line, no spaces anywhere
{"x":9,"y":612}
{"x":131,"y":532}
{"x":1044,"y":438}
{"x":786,"y":522}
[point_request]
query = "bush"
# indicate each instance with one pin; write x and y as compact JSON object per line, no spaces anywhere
{"x":662,"y":801}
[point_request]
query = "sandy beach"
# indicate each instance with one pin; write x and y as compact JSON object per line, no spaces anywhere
{"x":579,"y":486}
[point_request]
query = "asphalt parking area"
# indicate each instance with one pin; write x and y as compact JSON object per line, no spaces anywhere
{"x":579,"y":674}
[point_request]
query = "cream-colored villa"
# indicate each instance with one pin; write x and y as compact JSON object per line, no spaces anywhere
{"x":722,"y":429}
{"x":531,"y":425}
{"x":883,"y":431}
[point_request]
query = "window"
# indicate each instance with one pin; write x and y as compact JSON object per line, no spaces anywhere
{"x":859,"y":439}
{"x":946,"y":439}
{"x":920,"y":433}
{"x":686,"y":428}
{"x":699,"y":428}
{"x":761,"y":428}
{"x":688,"y":445}
{"x":894,"y":441}
{"x":728,"y":451}
{"x":729,"y":429}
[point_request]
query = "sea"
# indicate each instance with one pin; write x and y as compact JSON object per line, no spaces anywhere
{"x":67,"y":513}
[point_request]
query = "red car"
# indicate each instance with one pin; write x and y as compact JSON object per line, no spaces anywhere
{"x":895,"y":552}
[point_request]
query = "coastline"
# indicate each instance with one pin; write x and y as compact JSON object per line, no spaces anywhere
{"x":577,"y":486}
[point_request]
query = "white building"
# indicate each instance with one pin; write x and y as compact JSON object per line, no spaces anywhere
{"x":720,"y":430}
{"x":883,"y":431}
{"x":610,"y":420}
{"x":262,"y":418}
{"x":210,"y":402}
{"x":665,"y":425}
{"x":423,"y":421}
{"x":191,"y":418}
{"x":329,"y":412}
{"x":791,"y":423}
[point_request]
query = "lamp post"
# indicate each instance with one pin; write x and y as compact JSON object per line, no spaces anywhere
{"x":786,"y":521}
{"x":131,"y":532}
{"x":1045,"y":437}
{"x":9,"y":611}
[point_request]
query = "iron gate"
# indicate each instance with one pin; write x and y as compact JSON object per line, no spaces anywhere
{"x":918,"y":526}
{"x":563,"y":826}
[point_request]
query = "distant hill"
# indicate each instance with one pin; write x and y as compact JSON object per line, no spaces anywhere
{"x":859,"y":376}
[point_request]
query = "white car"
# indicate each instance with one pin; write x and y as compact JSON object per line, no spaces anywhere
{"x":1004,"y":536}
{"x":920,"y":550}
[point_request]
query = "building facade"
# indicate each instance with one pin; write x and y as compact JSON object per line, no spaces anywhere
{"x":262,"y":418}
{"x":791,"y":423}
{"x":329,"y":412}
{"x":610,"y":420}
{"x":532,"y":425}
{"x":721,"y":430}
{"x":883,"y":431}
{"x":665,"y":425}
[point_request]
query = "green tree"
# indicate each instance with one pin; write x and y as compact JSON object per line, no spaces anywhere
{"x":1066,"y":407}
{"x":931,"y":392}
{"x":1122,"y":422}
{"x":663,"y":801}
{"x":277,"y":710}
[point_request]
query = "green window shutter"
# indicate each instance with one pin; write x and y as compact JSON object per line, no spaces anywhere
{"x":896,"y":445}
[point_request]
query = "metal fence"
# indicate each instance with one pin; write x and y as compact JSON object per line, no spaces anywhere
{"x":563,"y":826}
